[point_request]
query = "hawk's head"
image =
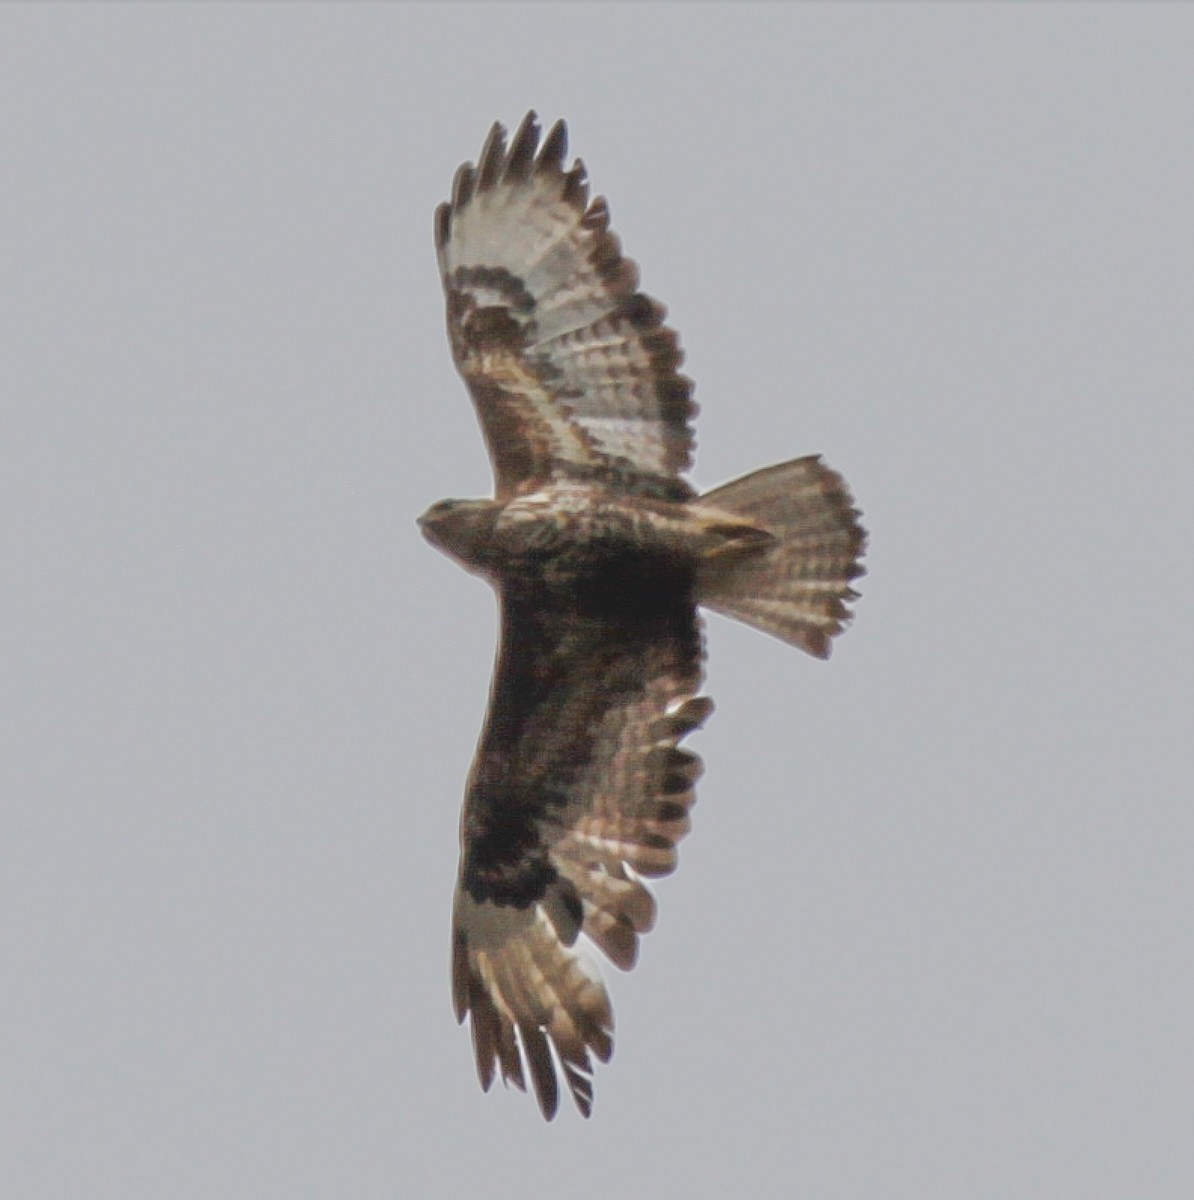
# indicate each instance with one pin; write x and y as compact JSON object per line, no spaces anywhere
{"x":462,"y":529}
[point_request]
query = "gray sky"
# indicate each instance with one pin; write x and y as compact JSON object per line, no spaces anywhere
{"x":931,"y":935}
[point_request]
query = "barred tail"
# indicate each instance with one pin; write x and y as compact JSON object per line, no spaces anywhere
{"x":797,"y":588}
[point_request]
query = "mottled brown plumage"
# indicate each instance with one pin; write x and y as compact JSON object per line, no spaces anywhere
{"x":600,"y":553}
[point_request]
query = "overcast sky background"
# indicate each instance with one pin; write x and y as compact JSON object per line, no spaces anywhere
{"x":931,"y":936}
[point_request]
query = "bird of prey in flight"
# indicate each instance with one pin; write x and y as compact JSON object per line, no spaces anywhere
{"x":600,"y":553}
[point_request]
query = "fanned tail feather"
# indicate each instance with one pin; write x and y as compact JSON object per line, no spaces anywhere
{"x":798,"y":587}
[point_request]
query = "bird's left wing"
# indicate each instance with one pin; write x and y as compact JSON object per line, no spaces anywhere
{"x":579,"y":789}
{"x":571,"y":368}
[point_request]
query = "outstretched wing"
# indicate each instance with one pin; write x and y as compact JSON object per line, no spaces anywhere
{"x":571,"y":369}
{"x":579,"y":788}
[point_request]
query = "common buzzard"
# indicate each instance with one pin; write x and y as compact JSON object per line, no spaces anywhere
{"x":600,"y":552}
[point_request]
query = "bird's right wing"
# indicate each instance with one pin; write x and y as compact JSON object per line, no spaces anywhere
{"x":579,"y":788}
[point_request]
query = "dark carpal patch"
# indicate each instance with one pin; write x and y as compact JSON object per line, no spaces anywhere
{"x":506,"y":861}
{"x":493,"y":279}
